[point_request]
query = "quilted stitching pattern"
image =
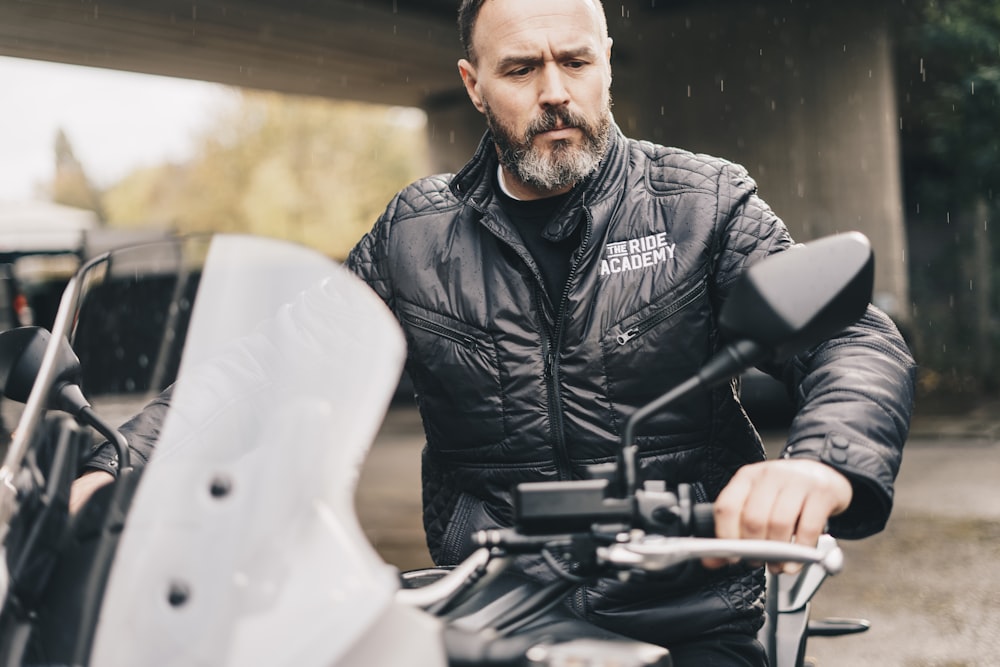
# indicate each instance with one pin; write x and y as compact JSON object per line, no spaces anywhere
{"x":427,"y":195}
{"x":753,"y":230}
{"x":674,"y":170}
{"x":727,"y":217}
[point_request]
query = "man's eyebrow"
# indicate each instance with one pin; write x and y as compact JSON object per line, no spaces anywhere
{"x":513,"y":61}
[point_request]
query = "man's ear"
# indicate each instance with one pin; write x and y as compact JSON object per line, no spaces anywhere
{"x":610,"y":42}
{"x":468,"y":72}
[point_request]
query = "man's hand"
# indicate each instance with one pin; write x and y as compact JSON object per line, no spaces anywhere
{"x":779,"y":500}
{"x":85,"y":486}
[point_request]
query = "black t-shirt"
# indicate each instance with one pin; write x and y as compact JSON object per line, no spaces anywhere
{"x":552,"y":257}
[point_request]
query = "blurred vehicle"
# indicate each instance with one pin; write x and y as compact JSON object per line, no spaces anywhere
{"x":14,"y":312}
{"x":14,"y":309}
{"x":42,"y":279}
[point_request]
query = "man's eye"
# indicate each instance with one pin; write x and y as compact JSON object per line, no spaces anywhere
{"x":520,"y":71}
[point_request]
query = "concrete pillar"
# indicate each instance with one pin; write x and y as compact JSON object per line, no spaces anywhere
{"x":454,"y":129}
{"x":803,"y":96}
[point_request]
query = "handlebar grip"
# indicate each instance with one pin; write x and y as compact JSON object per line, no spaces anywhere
{"x":702,"y":520}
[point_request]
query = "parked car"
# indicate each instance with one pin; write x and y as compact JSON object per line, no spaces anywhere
{"x":14,"y":312}
{"x":14,"y":309}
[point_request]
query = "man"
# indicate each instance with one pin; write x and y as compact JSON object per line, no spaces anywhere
{"x":568,"y":275}
{"x":533,"y":334}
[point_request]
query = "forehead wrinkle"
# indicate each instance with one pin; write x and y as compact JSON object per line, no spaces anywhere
{"x":513,"y":60}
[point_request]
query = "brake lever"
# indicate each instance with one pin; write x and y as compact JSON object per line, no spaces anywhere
{"x":656,"y":553}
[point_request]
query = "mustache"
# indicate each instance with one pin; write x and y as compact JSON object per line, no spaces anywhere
{"x":554,"y":118}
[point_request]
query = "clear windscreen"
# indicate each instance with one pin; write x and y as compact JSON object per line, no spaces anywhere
{"x":234,"y":327}
{"x":279,"y":366}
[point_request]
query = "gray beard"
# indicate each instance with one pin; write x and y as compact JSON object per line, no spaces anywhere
{"x":563,"y":166}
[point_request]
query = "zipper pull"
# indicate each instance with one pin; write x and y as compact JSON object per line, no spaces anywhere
{"x":548,"y":365}
{"x":628,"y":335}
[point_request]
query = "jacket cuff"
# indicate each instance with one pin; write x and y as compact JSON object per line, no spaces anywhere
{"x":105,"y":459}
{"x":870,"y":478}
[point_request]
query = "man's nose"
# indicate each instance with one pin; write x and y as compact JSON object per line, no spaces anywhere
{"x":553,"y":90}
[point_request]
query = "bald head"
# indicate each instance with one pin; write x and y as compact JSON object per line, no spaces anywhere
{"x":468,"y":14}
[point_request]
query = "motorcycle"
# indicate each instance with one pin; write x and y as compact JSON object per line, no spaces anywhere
{"x":238,"y":542}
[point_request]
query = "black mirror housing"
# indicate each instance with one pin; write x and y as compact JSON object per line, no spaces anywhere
{"x":802,"y":296}
{"x":21,"y":352}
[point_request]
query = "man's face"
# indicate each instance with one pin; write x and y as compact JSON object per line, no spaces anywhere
{"x":541,"y":77}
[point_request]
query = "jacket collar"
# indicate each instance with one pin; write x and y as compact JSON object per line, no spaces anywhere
{"x":473,"y":184}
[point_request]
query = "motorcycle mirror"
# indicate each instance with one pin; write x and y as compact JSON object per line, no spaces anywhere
{"x":795,"y":299}
{"x":21,"y":352}
{"x":790,"y":301}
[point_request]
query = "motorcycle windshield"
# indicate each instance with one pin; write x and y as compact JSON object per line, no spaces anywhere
{"x":241,"y":545}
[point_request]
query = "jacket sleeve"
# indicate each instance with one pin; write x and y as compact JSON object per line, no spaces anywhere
{"x":141,"y":432}
{"x":368,"y":258}
{"x":853,"y":393}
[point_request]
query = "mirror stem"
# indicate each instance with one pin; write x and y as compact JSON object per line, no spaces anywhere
{"x":90,"y":418}
{"x":69,"y":397}
{"x":727,"y":363}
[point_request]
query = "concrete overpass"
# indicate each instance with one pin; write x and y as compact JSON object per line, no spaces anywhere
{"x":800,"y":92}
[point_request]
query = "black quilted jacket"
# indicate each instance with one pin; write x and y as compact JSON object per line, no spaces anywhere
{"x":513,"y":389}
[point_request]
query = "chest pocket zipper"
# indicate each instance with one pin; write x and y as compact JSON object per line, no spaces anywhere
{"x":459,"y":337}
{"x":660,"y":315}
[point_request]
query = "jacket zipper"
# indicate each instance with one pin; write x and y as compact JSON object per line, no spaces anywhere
{"x":446,"y":332}
{"x":645,"y":325}
{"x":560,"y":451}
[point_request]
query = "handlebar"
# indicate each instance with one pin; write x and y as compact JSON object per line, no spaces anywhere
{"x":655,"y":553}
{"x":659,"y":529}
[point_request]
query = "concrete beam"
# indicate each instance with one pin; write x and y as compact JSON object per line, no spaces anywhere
{"x":368,"y":51}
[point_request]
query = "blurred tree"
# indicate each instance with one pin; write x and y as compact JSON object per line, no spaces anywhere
{"x":949,"y":77}
{"x":71,"y":185}
{"x":309,"y":170}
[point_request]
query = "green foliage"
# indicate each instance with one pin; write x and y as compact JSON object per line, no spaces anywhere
{"x":309,"y":170}
{"x":948,"y":56}
{"x":950,"y":94}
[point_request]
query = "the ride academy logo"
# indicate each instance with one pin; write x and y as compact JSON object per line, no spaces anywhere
{"x":636,"y":254}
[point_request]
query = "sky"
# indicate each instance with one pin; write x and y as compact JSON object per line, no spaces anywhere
{"x":115,"y":121}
